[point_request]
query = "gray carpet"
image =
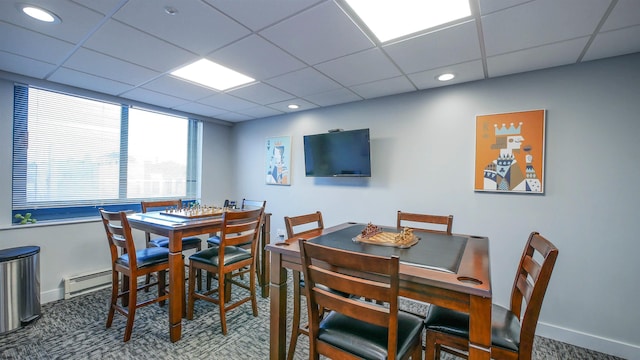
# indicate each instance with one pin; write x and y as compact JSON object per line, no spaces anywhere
{"x":75,"y":329}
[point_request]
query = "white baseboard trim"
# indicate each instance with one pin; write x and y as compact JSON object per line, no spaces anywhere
{"x":589,"y":341}
{"x":52,"y":295}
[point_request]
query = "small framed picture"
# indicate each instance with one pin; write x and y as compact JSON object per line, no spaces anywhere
{"x":278,"y":160}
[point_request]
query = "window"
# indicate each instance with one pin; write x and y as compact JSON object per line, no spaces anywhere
{"x":72,"y":155}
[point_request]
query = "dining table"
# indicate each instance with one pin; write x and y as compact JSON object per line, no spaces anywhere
{"x":175,"y":228}
{"x":452,"y":271}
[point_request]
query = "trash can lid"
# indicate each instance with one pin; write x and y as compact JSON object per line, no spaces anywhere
{"x":18,"y":252}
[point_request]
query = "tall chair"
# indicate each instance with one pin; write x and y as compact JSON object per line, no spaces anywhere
{"x":238,"y":229}
{"x":302,"y":224}
{"x":443,"y":223}
{"x":131,"y":263}
{"x":512,"y":329}
{"x":188,"y":243}
{"x":354,"y":328}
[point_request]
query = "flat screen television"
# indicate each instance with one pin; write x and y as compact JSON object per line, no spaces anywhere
{"x":338,"y":154}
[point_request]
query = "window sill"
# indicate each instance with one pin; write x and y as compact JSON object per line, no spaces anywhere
{"x":46,"y":223}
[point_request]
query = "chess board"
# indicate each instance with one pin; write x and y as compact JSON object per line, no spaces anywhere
{"x":195,"y":213}
{"x":387,"y":239}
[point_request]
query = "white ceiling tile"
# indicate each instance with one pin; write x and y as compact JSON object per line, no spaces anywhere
{"x":369,"y":65}
{"x":259,"y":14}
{"x":386,"y":87}
{"x":614,"y":43}
{"x":126,"y":43}
{"x":242,"y":56}
{"x":260,"y":112}
{"x":489,"y":6}
{"x":540,"y":22}
{"x":333,"y":97}
{"x":197,"y":108}
{"x":33,"y":45}
{"x":465,"y":72}
{"x":227,"y":102}
{"x":626,"y":13}
{"x":308,"y":37}
{"x":89,"y":61}
{"x":103,"y":6}
{"x":88,"y":81}
{"x":24,"y":66}
{"x":154,"y":98}
{"x":169,"y":85}
{"x":207,"y":30}
{"x":557,"y":54}
{"x":304,"y":82}
{"x":261,"y":93}
{"x":233,"y":117}
{"x":453,"y":45}
{"x":283,"y":105}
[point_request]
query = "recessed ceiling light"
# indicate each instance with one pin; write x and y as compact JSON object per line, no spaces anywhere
{"x":293,"y":106}
{"x":39,"y":13}
{"x":170,"y":10}
{"x":445,"y":77}
{"x":208,"y":73}
{"x":392,"y":19}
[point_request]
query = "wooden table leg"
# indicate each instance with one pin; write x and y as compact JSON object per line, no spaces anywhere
{"x":480,"y":328}
{"x":265,"y":238}
{"x":278,"y":303}
{"x":177,"y":304}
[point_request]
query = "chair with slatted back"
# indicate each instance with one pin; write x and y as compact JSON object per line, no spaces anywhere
{"x":512,"y":329}
{"x":188,"y":243}
{"x":238,"y":228}
{"x":298,"y":226}
{"x":131,"y":263}
{"x":354,"y":328}
{"x":442,"y":223}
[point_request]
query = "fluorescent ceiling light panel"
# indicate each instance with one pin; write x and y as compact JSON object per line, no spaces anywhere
{"x":391,"y":19}
{"x":210,"y":74}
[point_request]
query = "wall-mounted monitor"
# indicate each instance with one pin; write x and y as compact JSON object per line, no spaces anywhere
{"x":338,"y":153}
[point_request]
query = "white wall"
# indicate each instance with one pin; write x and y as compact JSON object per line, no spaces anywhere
{"x":423,"y":160}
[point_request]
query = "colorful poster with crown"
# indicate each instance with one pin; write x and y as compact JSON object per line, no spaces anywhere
{"x":278,"y":160}
{"x":510,"y":152}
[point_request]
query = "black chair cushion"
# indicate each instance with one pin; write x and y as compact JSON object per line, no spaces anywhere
{"x":505,"y":326}
{"x":215,"y":241}
{"x":366,"y":340}
{"x":232,"y":255}
{"x":190,"y":241}
{"x":146,"y":257}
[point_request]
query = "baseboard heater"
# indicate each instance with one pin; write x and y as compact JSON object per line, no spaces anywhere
{"x":86,"y":283}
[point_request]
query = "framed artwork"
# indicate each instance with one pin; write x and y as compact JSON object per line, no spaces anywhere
{"x":510,"y":152}
{"x":278,"y":160}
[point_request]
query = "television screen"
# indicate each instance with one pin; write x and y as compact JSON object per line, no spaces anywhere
{"x":340,"y":153}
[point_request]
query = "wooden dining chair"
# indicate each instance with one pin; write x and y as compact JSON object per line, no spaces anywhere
{"x":354,"y":328}
{"x":214,"y":240}
{"x":131,"y":263}
{"x":225,"y":261}
{"x":441,"y":223}
{"x":512,"y":329}
{"x":188,"y":243}
{"x":298,"y":226}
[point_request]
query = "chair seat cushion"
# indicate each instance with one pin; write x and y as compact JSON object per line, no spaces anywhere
{"x":366,"y":340}
{"x":147,"y":257}
{"x":505,"y":326}
{"x":210,"y":256}
{"x":187,"y":242}
{"x":215,"y":241}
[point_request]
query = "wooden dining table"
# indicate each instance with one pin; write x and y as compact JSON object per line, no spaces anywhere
{"x":175,"y":228}
{"x":447,"y":270}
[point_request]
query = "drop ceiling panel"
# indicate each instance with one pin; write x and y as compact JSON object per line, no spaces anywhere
{"x":613,"y":43}
{"x":104,"y":7}
{"x":170,"y":85}
{"x":540,"y":22}
{"x":304,"y":82}
{"x":198,"y":108}
{"x":196,"y":26}
{"x":489,"y":6}
{"x":284,"y":105}
{"x":129,"y":44}
{"x":319,"y":34}
{"x":333,"y":97}
{"x":154,"y":98}
{"x":384,"y":87}
{"x":92,"y":62}
{"x":241,"y":56}
{"x":626,"y":13}
{"x":227,"y":102}
{"x":359,"y":68}
{"x":88,"y":81}
{"x":33,"y":45}
{"x":24,"y":66}
{"x":261,"y":93}
{"x":465,"y":72}
{"x":256,"y":15}
{"x":453,"y":45}
{"x":260,"y":112}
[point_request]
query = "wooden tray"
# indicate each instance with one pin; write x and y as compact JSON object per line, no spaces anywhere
{"x":386,"y":239}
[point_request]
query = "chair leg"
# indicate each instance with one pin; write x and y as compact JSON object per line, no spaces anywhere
{"x":252,"y":289}
{"x":191,"y":295}
{"x":162,"y":287}
{"x":131,"y":311}
{"x":114,"y":297}
{"x":295,"y":326}
{"x":430,"y":346}
{"x":221,"y":297}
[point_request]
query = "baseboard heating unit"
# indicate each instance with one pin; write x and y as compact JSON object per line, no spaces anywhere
{"x":86,"y":283}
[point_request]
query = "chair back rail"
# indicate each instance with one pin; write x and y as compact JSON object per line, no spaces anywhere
{"x":445,"y":220}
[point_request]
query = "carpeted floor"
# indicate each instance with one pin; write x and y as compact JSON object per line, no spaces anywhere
{"x":75,"y":329}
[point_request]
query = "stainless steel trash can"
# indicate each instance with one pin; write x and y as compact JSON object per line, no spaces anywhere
{"x":19,"y":287}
